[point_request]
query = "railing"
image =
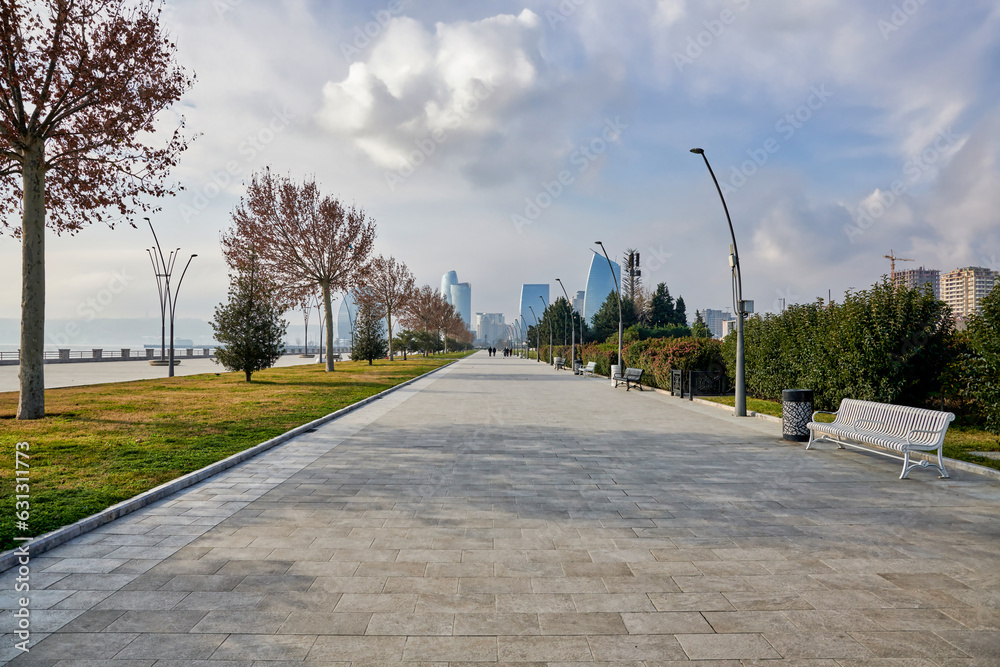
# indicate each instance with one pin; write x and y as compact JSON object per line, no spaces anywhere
{"x":698,"y":383}
{"x":100,"y":354}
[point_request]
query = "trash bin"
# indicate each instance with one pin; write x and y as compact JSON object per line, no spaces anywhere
{"x":615,"y":370}
{"x":796,"y":413}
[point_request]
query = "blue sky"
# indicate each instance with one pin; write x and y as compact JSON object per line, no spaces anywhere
{"x":453,"y":118}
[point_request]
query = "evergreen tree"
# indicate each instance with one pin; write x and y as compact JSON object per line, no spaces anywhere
{"x":661,"y":307}
{"x":984,"y":339}
{"x":700,"y":329}
{"x":249,"y":327}
{"x":370,"y":341}
{"x":680,"y":312}
{"x":604,"y":324}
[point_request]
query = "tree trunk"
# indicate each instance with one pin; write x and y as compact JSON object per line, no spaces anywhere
{"x":248,"y":373}
{"x":31,"y":373}
{"x":328,"y":316}
{"x":388,"y":324}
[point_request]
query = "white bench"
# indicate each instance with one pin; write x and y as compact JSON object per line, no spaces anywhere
{"x":589,"y":368}
{"x":877,"y":427}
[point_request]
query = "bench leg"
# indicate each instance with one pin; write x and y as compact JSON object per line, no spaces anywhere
{"x":812,"y":436}
{"x":944,"y":473}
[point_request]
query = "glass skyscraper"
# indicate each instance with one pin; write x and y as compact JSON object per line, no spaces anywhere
{"x":600,"y":283}
{"x":529,"y":297}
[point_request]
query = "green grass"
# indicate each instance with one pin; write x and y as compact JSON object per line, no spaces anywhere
{"x":101,"y":444}
{"x":959,"y":442}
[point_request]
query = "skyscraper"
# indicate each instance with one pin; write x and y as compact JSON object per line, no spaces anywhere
{"x":716,"y":319}
{"x":529,"y":297}
{"x":578,"y":301}
{"x":461,"y":298}
{"x":600,"y":283}
{"x":447,"y":280}
{"x":345,"y":320}
{"x":490,"y":328}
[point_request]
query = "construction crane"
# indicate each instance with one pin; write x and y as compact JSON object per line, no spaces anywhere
{"x":893,"y":259}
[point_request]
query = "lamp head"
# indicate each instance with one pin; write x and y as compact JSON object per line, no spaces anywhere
{"x":599,"y":243}
{"x":698,"y":151}
{"x":194,"y":255}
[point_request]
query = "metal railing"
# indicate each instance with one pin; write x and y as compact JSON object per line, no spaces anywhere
{"x":698,"y":383}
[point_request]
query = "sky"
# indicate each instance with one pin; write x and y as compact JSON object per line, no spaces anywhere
{"x":501,"y":139}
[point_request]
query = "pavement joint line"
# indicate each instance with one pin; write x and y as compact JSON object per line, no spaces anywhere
{"x":43,"y":543}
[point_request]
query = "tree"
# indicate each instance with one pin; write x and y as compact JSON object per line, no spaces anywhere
{"x":984,"y":341}
{"x":429,"y":312}
{"x":680,"y":312}
{"x":661,"y":307}
{"x":249,"y":327}
{"x":389,"y":287}
{"x":700,"y":329}
{"x":304,"y":241}
{"x":605,"y":320}
{"x":405,"y":341}
{"x":369,"y":337}
{"x":83,"y":84}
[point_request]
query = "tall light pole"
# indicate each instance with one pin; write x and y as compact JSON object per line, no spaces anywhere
{"x":163,"y":268}
{"x":734,"y":263}
{"x":572,"y":328}
{"x":618,"y":291}
{"x":552,"y":360}
{"x":538,"y":333}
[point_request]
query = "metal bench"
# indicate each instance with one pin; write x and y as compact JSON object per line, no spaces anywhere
{"x":884,"y":429}
{"x":558,"y":363}
{"x":632,"y":376}
{"x":589,"y":368}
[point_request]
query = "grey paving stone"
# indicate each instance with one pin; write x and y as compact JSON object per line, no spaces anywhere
{"x":455,"y":521}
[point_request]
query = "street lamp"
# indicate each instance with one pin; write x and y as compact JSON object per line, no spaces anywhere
{"x":572,"y":345}
{"x":163,"y":269}
{"x":538,"y":333}
{"x":552,"y":360}
{"x":619,"y":293}
{"x":734,"y":263}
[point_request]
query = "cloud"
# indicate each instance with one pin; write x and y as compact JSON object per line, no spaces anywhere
{"x":457,"y":82}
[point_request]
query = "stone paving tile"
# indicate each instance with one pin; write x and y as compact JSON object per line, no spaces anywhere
{"x":453,"y":522}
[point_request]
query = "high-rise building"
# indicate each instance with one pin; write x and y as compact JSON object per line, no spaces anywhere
{"x":447,"y":280}
{"x":461,"y":298}
{"x":578,"y":301}
{"x":529,"y":297}
{"x":917,"y":278}
{"x":345,"y":321}
{"x":962,"y":289}
{"x":715,"y":319}
{"x":490,"y":328}
{"x":600,"y":283}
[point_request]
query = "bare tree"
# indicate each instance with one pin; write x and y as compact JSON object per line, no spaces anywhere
{"x":83,"y":82}
{"x":429,"y":312}
{"x":388,"y":287}
{"x":303,"y":240}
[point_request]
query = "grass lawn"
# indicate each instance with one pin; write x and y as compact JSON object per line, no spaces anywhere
{"x":101,"y":444}
{"x":960,"y":440}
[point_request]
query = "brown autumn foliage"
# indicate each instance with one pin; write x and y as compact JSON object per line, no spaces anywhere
{"x":83,"y":83}
{"x":303,"y":241}
{"x":430,"y":312}
{"x":388,"y":288}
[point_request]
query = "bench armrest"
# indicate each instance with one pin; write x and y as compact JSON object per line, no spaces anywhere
{"x":823,"y":412}
{"x":928,"y":431}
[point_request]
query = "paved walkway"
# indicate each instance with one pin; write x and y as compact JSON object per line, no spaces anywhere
{"x":501,"y":511}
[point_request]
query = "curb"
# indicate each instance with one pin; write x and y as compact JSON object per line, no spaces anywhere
{"x":9,"y":559}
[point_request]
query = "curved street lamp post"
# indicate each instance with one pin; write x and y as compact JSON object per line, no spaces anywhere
{"x":619,"y":293}
{"x":538,"y":333}
{"x":734,"y":262}
{"x":572,"y":348}
{"x":163,"y":269}
{"x":552,"y":360}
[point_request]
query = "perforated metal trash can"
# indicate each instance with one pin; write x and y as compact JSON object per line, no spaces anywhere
{"x":796,"y":413}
